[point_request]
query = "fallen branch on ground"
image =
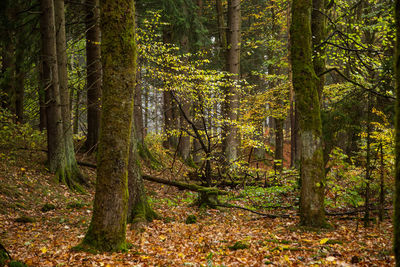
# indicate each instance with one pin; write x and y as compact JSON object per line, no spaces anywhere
{"x":254,"y":211}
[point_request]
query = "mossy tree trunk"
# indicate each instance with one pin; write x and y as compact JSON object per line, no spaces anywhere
{"x":310,"y":129}
{"x":396,"y":216}
{"x":318,"y":29}
{"x":94,"y":75}
{"x":138,"y":110}
{"x":118,"y":48}
{"x":139,"y":210}
{"x":72,"y":175}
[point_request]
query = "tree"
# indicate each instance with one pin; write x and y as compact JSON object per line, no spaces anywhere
{"x":108,"y":225}
{"x":73,"y":174}
{"x":94,"y":75}
{"x":231,"y":104}
{"x":139,"y":210}
{"x":396,"y":241}
{"x":50,"y":83}
{"x":310,"y":128}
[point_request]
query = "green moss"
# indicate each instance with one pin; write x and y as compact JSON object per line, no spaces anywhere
{"x":4,"y":258}
{"x":239,"y":245}
{"x":17,"y":264}
{"x":76,"y":205}
{"x":191,"y":219}
{"x":48,"y":207}
{"x":25,"y":219}
{"x":142,"y":212}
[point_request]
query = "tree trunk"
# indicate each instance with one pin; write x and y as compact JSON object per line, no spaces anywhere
{"x":221,"y":28}
{"x":184,"y":142}
{"x":310,"y":129}
{"x":73,"y":176}
{"x":170,"y":120}
{"x":8,"y":71}
{"x":318,"y":30}
{"x":108,"y":226}
{"x":146,"y":111}
{"x":382,"y":186}
{"x":396,"y":216}
{"x":231,"y":105}
{"x":94,"y":73}
{"x":368,"y":164}
{"x":138,"y":111}
{"x":76,"y":113}
{"x":19,"y":81}
{"x":50,"y":84}
{"x":278,"y":160}
{"x":139,"y":210}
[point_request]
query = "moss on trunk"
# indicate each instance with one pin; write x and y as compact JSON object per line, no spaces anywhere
{"x":108,"y":225}
{"x":139,"y":210}
{"x":310,"y":128}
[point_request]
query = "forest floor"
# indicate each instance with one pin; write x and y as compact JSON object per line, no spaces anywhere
{"x":39,"y":235}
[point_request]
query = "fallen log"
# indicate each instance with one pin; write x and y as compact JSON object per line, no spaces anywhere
{"x":185,"y":186}
{"x":208,"y":195}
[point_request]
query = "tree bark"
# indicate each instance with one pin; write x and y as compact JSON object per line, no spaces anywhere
{"x":231,"y":105}
{"x":8,"y":70}
{"x":139,"y":210}
{"x":73,"y":176}
{"x":318,"y":30}
{"x":94,"y":73}
{"x":107,"y":229}
{"x":312,"y":175}
{"x":170,"y":120}
{"x":50,"y":84}
{"x":278,"y":160}
{"x":396,"y":216}
{"x":19,"y":81}
{"x":138,"y":111}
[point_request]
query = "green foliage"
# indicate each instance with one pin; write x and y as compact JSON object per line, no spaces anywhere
{"x":15,"y":135}
{"x":344,"y":182}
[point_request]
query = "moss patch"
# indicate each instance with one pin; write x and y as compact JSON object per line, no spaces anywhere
{"x":48,"y":207}
{"x":191,"y":219}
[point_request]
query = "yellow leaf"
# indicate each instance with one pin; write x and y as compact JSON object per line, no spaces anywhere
{"x":23,"y":169}
{"x":43,"y":249}
{"x":286,"y":258}
{"x":162,"y":237}
{"x":323,"y":241}
{"x":181,"y":255}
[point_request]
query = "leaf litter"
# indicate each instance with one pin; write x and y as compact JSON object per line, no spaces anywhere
{"x":48,"y":239}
